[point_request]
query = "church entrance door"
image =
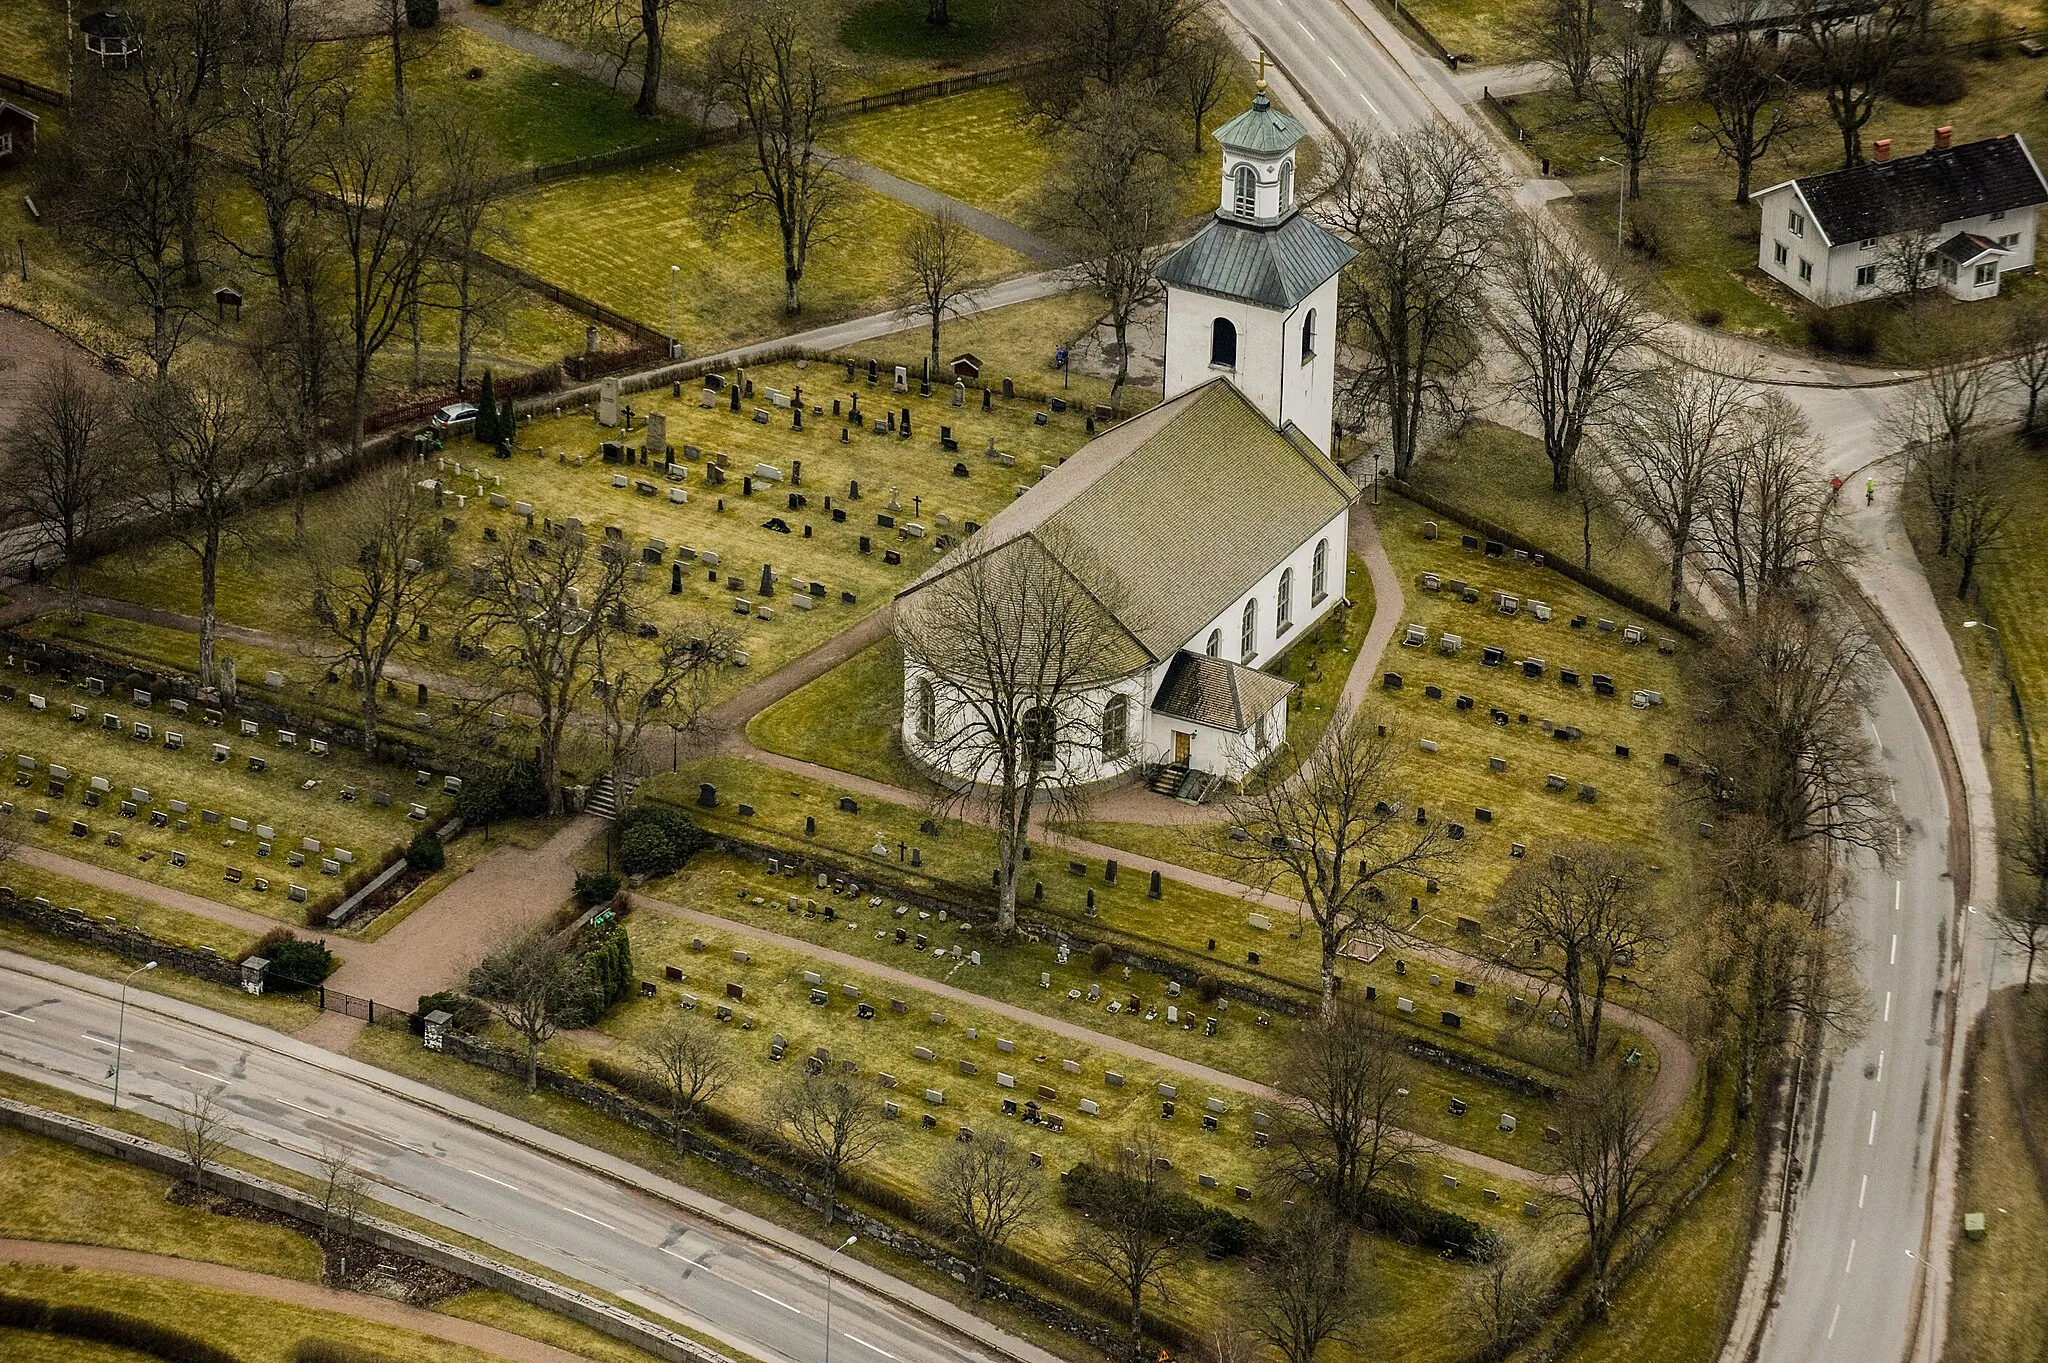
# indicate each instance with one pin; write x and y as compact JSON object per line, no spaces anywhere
{"x":1183,"y":744}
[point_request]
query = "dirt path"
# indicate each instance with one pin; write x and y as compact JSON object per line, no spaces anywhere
{"x":163,"y":896}
{"x":1073,"y":1031}
{"x":488,"y":1338}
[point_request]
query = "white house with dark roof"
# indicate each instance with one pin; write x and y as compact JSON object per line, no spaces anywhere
{"x":1218,"y":516}
{"x":1831,"y":238}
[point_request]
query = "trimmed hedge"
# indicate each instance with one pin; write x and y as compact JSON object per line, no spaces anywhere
{"x":1223,"y":1234}
{"x":656,"y":839}
{"x":295,"y":962}
{"x":1414,"y":1222}
{"x":425,"y":853}
{"x":596,"y":887}
{"x":608,"y":965}
{"x":313,"y":1349}
{"x":109,"y":1327}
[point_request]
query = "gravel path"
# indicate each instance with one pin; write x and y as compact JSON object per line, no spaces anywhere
{"x":114,"y":882}
{"x":488,"y":1338}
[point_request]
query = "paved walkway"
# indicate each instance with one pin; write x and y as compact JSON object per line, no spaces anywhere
{"x":290,"y":1291}
{"x":133,"y":887}
{"x":1030,"y":1017}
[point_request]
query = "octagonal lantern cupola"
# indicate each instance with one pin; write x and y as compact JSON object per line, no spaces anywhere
{"x":1258,"y":164}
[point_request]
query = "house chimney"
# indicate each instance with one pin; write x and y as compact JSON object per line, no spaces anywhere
{"x":1883,"y":149}
{"x":1941,"y":136}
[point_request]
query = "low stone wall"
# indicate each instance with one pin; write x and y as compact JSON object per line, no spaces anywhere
{"x":131,"y":943}
{"x":476,"y":1268}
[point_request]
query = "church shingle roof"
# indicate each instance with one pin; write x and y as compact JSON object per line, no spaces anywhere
{"x":1261,"y":130}
{"x":1218,"y":693}
{"x":1183,"y":508}
{"x":1941,"y":185}
{"x":1276,"y":266}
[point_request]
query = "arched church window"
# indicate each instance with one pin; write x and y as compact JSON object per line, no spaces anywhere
{"x":1283,"y":601}
{"x":1037,"y":734}
{"x":1116,"y":726}
{"x":1308,"y":335}
{"x":1286,"y":185}
{"x":1215,"y":648}
{"x":1248,"y":632}
{"x":1319,"y":572}
{"x":927,"y":710}
{"x":1245,"y":193}
{"x":1223,"y":343}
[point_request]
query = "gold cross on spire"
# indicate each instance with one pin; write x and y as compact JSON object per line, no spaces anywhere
{"x":1262,"y":69}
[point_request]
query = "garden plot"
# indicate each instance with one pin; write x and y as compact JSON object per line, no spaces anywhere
{"x":242,"y":813}
{"x":1068,"y":986}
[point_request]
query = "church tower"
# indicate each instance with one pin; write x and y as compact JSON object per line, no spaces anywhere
{"x":1253,"y":297}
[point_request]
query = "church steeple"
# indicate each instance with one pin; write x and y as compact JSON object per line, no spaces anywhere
{"x":1258,"y":163}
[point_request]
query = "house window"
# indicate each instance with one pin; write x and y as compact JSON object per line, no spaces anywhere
{"x":1805,"y":270}
{"x":1867,"y":244}
{"x":2010,"y":240}
{"x":1999,"y":216}
{"x":1987,"y":273}
{"x":1283,"y":603}
{"x":1287,"y":186}
{"x":927,"y":710}
{"x":1797,"y":222}
{"x":1223,"y":343}
{"x":1215,"y":648}
{"x":6,"y":144}
{"x":1036,"y":733}
{"x":1779,"y":254}
{"x":1116,"y":727}
{"x":1319,"y":572}
{"x":1248,"y":632}
{"x":1245,"y":197}
{"x":1866,"y":276}
{"x":1308,"y":336}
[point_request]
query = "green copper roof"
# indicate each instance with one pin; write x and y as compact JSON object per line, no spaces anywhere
{"x":1261,"y":130}
{"x":1276,"y":266}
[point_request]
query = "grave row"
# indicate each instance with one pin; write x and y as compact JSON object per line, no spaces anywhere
{"x":1532,"y":668}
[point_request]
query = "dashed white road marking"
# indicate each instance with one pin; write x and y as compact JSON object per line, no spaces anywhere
{"x":1880,"y":1067}
{"x":865,"y":1345}
{"x":777,"y":1300}
{"x":104,"y":1041}
{"x":488,"y":1179}
{"x":18,"y":1017}
{"x":588,"y":1217}
{"x":1850,"y":1263}
{"x":1873,"y":1128}
{"x":1862,"y":1191}
{"x":1895,"y":948}
{"x":1887,"y":1005}
{"x":1835,"y":1320}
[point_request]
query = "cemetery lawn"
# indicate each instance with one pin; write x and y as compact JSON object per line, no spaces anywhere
{"x":897,"y":28}
{"x":613,"y":236}
{"x":299,"y":795}
{"x":734,"y":889}
{"x":1998,"y":1310}
{"x":1176,"y":928}
{"x":1019,"y":341}
{"x":31,"y":42}
{"x":166,"y":925}
{"x":1707,"y":246}
{"x":980,"y":147}
{"x":850,"y":719}
{"x":1502,"y":475}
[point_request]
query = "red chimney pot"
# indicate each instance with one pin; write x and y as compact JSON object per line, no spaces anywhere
{"x":1884,"y":149}
{"x":1941,"y":136}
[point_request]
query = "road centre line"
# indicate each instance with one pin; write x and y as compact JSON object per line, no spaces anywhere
{"x":1850,"y":1263}
{"x":1873,"y":1128}
{"x":488,"y":1179}
{"x":1895,"y":948}
{"x":1835,"y":1320}
{"x":777,"y":1300}
{"x":1304,"y":28}
{"x":865,"y":1345}
{"x":1862,"y":1191}
{"x":591,"y":1219}
{"x":104,"y":1041}
{"x":1880,"y":1067}
{"x":1887,"y":1005}
{"x":204,"y":1074}
{"x":22,"y":1017}
{"x":1898,"y":894}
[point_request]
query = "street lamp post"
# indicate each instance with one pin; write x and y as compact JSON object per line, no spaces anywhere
{"x":828,"y":1296}
{"x":121,"y":1029}
{"x":1620,"y":200}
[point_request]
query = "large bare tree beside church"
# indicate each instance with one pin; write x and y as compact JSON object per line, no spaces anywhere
{"x":1003,"y":655}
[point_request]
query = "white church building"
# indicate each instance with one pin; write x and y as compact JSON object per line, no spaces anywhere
{"x":1218,"y":514}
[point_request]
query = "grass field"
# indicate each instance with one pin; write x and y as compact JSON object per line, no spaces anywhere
{"x":298,"y":797}
{"x":612,"y":237}
{"x":32,"y":41}
{"x":166,"y":925}
{"x":1707,"y":258}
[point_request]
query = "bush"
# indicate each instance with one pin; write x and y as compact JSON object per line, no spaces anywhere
{"x":608,"y":965}
{"x":425,"y":853}
{"x":486,"y":428}
{"x":1927,"y":79}
{"x":1222,"y":1234}
{"x":1646,"y":232}
{"x":1208,"y":988}
{"x":1414,"y":1222}
{"x":295,"y":963}
{"x":637,"y":1084}
{"x":1852,"y":330}
{"x":646,"y":851}
{"x":465,"y":1013}
{"x":313,"y":1350}
{"x":1708,"y":317}
{"x":596,"y":887}
{"x":423,"y":13}
{"x":1100,"y":955}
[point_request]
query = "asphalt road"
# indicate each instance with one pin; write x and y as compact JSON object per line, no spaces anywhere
{"x":1328,"y":54}
{"x":1849,"y":1276}
{"x":580,"y":1225}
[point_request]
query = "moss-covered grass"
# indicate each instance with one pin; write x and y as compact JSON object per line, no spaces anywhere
{"x":1488,"y":31}
{"x":899,"y":28}
{"x":850,"y":719}
{"x":298,"y":797}
{"x":32,"y":41}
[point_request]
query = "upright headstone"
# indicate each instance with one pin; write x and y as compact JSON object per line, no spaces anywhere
{"x":657,"y":435}
{"x":959,"y":393}
{"x":608,"y":402}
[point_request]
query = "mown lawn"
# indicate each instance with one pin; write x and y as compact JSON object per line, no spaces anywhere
{"x":32,"y":41}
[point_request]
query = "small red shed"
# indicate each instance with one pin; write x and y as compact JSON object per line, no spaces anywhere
{"x":17,"y":135}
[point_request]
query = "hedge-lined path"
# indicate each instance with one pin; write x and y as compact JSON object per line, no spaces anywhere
{"x":379,"y":1310}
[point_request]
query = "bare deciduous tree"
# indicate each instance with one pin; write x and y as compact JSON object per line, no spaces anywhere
{"x":1854,"y":50}
{"x":472,"y":224}
{"x":207,"y":450}
{"x":1571,"y":326}
{"x":1014,"y":642}
{"x":834,"y":1119}
{"x":535,"y":986}
{"x":1673,"y":446}
{"x":1131,"y":1236}
{"x":342,"y":1191}
{"x":1574,"y":916}
{"x":65,"y":469}
{"x":1984,"y":492}
{"x":2022,"y":917}
{"x":986,"y":1190}
{"x":693,"y":1063}
{"x":1566,"y":39}
{"x":1769,"y":511}
{"x":1344,"y":1088}
{"x":1781,"y":702}
{"x":203,"y":1134}
{"x":940,"y":269}
{"x":1302,"y":1292}
{"x":1422,"y":209}
{"x":1935,"y":421}
{"x":2026,"y":365}
{"x":1098,"y":45}
{"x":1113,"y":201}
{"x":640,"y":685}
{"x":1337,"y":835}
{"x":1742,"y":80}
{"x":375,"y":569}
{"x":1504,"y":1296}
{"x":1906,"y":261}
{"x":1199,"y":61}
{"x":625,"y":31}
{"x":768,"y":67}
{"x":1630,"y":84}
{"x":1606,"y":1176}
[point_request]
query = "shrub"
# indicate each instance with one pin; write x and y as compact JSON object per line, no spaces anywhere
{"x":1708,"y":317}
{"x":486,"y":428}
{"x":1413,"y":1221}
{"x":1646,"y":232}
{"x":1208,"y":988}
{"x":465,"y":1013}
{"x":1222,"y":1234}
{"x":596,"y":887}
{"x":1852,"y":330}
{"x":644,"y":850}
{"x":423,"y":13}
{"x":1100,"y":955}
{"x":298,"y":963}
{"x":425,"y":853}
{"x":608,"y":965}
{"x":1928,"y":78}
